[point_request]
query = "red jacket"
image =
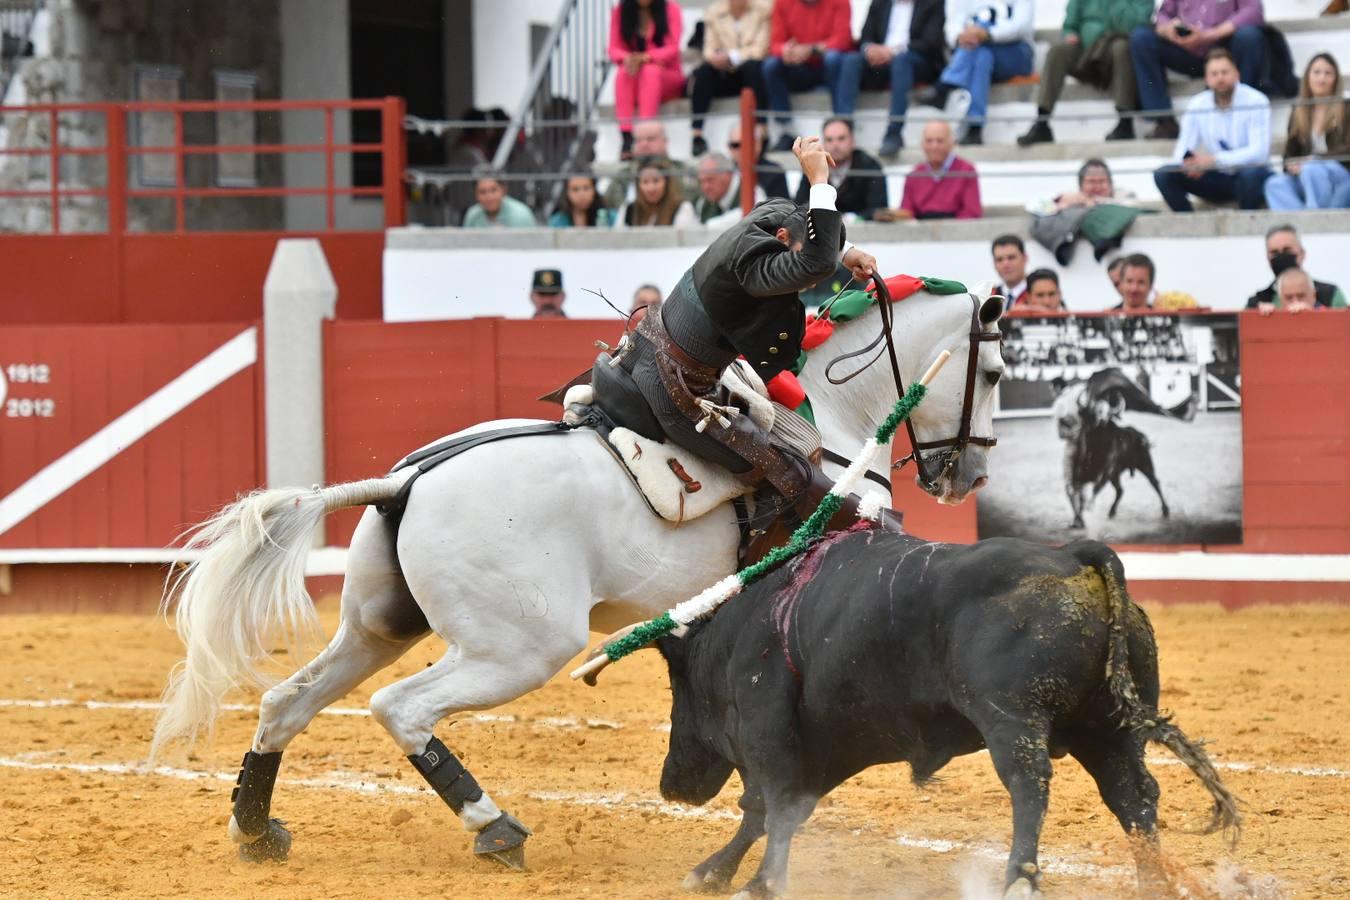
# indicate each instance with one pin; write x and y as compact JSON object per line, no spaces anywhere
{"x":952,"y":195}
{"x":828,"y":22}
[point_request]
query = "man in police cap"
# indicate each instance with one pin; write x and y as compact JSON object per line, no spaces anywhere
{"x":546,"y":293}
{"x":740,"y":298}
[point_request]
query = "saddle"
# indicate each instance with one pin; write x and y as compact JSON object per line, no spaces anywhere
{"x":676,"y":484}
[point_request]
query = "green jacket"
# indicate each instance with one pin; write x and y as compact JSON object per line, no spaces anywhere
{"x":1090,"y":19}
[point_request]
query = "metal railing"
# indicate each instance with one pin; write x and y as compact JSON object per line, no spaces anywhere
{"x":114,"y":180}
{"x":565,"y":83}
{"x":16,"y":25}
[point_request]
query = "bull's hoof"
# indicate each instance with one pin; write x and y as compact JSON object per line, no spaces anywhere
{"x":503,"y":841}
{"x":273,"y":845}
{"x":706,"y":882}
{"x":1021,"y":889}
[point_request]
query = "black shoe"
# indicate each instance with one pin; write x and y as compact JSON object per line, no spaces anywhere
{"x":935,"y":95}
{"x":1165,"y":129}
{"x":1064,"y":253}
{"x":1105,"y":246}
{"x":1040,"y":133}
{"x":626,"y":152}
{"x":892,"y":144}
{"x":784,"y":143}
{"x":974,"y":136}
{"x":1124,"y":131}
{"x":699,"y":146}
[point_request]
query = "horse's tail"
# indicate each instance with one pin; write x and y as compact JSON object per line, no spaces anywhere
{"x":244,"y":590}
{"x":1144,"y":718}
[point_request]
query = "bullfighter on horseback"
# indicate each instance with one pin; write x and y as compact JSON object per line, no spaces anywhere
{"x":740,"y":299}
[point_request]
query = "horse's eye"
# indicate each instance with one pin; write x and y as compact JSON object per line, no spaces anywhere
{"x":993,"y":377}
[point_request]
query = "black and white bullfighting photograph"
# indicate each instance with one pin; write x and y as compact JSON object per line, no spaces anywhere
{"x":1123,"y":429}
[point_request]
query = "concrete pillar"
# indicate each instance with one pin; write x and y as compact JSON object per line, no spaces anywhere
{"x":298,"y":295}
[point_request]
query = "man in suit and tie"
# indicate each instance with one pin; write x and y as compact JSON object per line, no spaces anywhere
{"x":1010,"y":261}
{"x":858,"y":178}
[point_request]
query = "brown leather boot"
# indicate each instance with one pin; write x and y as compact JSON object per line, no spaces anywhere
{"x":778,"y":531}
{"x":1336,"y":7}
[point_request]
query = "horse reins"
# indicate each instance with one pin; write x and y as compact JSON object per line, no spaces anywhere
{"x":963,"y":437}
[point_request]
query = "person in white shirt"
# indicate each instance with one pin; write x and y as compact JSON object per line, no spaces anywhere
{"x":991,"y":41}
{"x":1010,"y":261}
{"x":902,"y":44}
{"x":1223,"y":153}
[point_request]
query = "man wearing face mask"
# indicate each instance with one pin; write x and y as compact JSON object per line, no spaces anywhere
{"x":1285,"y":251}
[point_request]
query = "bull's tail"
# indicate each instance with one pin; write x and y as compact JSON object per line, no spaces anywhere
{"x":246,"y":585}
{"x":1147,"y":720}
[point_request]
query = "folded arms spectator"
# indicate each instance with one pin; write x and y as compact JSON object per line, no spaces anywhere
{"x":735,"y":43}
{"x":494,"y":207}
{"x":1097,"y":211}
{"x":808,"y":40}
{"x":644,"y":42}
{"x":858,"y":178}
{"x":990,"y":42}
{"x":943,"y":186}
{"x":902,"y":44}
{"x":1319,"y":126}
{"x":1223,"y":151}
{"x":1095,"y":51}
{"x":1183,"y":33}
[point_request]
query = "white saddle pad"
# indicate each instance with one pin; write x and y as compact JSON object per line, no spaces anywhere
{"x":657,"y":468}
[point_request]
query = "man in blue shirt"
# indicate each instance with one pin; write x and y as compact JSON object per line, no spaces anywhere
{"x":1223,"y":152}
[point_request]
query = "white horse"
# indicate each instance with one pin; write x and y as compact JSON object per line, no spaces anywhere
{"x":511,"y":554}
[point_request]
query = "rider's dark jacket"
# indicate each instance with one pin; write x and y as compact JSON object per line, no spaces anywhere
{"x":746,"y":286}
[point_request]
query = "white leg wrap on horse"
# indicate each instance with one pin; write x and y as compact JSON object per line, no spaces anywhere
{"x":478,"y":814}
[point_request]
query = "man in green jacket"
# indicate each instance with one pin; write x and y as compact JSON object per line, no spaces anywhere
{"x":1096,"y":51}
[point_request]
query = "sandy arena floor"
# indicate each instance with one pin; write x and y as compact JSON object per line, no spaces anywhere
{"x":1269,"y":687}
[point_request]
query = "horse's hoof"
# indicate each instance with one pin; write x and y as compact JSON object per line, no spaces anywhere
{"x":1021,"y":889}
{"x":708,"y":882}
{"x":503,"y":841}
{"x":273,"y":845}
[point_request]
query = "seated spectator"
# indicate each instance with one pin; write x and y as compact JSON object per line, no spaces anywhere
{"x":1223,"y":151}
{"x":649,"y":139}
{"x":1183,"y":33}
{"x":1114,"y":271}
{"x":1136,"y":283}
{"x":859,"y":179}
{"x":769,"y":175}
{"x":1043,"y":294}
{"x":1097,"y":211}
{"x":494,"y":208}
{"x":902,"y":44}
{"x":943,"y":186}
{"x":1285,"y":251}
{"x":1297,"y":292}
{"x":1010,"y":262}
{"x":546,"y":293}
{"x":1095,"y":51}
{"x":807,"y":43}
{"x":735,"y":42}
{"x":659,"y":200}
{"x":581,"y":205}
{"x":644,"y":42}
{"x":718,"y":203}
{"x":990,"y":42}
{"x":645,"y":298}
{"x":1316,"y":130}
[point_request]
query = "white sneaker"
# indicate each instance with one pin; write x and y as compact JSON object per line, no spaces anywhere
{"x":958,"y":105}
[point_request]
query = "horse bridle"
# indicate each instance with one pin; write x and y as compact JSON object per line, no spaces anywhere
{"x":954,"y":446}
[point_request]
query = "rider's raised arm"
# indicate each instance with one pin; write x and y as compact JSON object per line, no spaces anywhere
{"x":766,"y":268}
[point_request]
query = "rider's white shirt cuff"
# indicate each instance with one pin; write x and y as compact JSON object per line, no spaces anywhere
{"x":848,"y":245}
{"x":823,"y":196}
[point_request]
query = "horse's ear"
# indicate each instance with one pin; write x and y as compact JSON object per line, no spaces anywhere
{"x":991,"y":309}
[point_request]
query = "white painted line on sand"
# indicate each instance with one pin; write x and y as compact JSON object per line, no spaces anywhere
{"x":618,"y":801}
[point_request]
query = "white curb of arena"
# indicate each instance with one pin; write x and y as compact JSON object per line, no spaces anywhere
{"x":1181,"y":566}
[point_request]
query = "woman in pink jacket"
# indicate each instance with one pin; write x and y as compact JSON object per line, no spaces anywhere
{"x":644,"y":42}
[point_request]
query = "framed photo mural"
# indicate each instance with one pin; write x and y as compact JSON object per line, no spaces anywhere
{"x":1126,"y":429}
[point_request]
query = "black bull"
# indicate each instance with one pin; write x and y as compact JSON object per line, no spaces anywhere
{"x":879,"y":648}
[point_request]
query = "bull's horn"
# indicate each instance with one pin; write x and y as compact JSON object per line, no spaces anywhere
{"x":597,"y":660}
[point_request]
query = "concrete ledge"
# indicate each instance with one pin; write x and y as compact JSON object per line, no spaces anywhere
{"x":1219,"y":223}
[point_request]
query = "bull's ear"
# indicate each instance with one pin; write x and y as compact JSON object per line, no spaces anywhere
{"x":991,"y":310}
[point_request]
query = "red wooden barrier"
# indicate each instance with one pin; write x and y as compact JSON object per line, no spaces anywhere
{"x":66,"y":385}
